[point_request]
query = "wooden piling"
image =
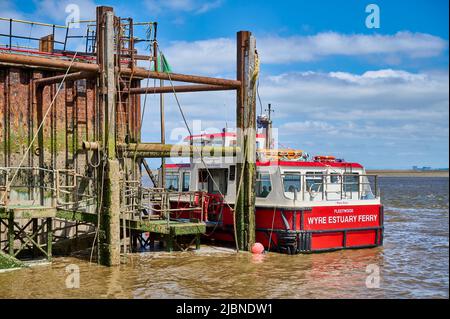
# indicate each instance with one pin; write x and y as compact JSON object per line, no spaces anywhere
{"x":49,"y":237}
{"x":246,"y":139}
{"x":109,"y":228}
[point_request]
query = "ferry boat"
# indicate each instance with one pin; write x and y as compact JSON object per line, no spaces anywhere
{"x":303,"y":204}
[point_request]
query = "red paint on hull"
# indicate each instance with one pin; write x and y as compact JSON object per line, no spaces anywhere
{"x":309,"y":229}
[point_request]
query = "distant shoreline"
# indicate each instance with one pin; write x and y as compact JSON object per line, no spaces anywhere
{"x":408,"y":173}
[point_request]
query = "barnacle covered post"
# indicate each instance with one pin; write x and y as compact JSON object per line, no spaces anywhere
{"x":247,"y":73}
{"x":109,"y":228}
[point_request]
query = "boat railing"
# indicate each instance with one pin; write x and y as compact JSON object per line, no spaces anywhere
{"x":335,"y":186}
{"x":142,"y":203}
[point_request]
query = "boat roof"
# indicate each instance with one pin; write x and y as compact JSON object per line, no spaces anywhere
{"x":288,"y":164}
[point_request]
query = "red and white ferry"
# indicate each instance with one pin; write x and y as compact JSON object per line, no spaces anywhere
{"x":302,"y":205}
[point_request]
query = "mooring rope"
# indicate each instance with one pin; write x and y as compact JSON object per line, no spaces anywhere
{"x":271,"y":229}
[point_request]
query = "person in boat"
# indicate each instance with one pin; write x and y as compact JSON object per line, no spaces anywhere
{"x":264,"y":192}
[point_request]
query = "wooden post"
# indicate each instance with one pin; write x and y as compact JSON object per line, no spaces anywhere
{"x":109,"y":72}
{"x":109,"y":232}
{"x":197,"y":241}
{"x":163,"y":136}
{"x":35,"y":230}
{"x":46,"y":44}
{"x":162,"y":177}
{"x":49,"y":238}
{"x":11,"y":234}
{"x":246,"y":139}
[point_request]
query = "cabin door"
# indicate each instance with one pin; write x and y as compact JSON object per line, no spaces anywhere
{"x":215,"y":185}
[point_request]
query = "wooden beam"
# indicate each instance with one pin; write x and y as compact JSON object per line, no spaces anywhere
{"x":48,"y":62}
{"x":179,"y":89}
{"x":58,"y":78}
{"x":167,"y":150}
{"x":176,"y":77}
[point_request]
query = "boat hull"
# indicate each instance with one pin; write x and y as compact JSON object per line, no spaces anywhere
{"x":306,"y":229}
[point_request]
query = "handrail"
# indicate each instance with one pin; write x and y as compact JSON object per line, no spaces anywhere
{"x":34,"y":23}
{"x":43,"y":180}
{"x":157,"y":202}
{"x":342,"y":183}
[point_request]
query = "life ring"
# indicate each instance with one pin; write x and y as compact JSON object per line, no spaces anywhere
{"x":293,"y":155}
{"x":324,"y":158}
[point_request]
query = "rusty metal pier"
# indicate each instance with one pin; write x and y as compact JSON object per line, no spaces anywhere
{"x":71,"y":154}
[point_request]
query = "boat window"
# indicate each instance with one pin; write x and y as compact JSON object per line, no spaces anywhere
{"x":351,"y":182}
{"x":172,"y":182}
{"x":232,"y":172}
{"x":203,"y":180}
{"x":291,"y":182}
{"x":335,"y":178}
{"x":263,"y":185}
{"x":314,"y":181}
{"x":217,"y":182}
{"x":186,"y":181}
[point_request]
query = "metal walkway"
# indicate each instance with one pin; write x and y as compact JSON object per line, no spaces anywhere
{"x":31,"y":199}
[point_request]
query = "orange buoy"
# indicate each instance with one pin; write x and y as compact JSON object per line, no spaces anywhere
{"x":257,"y":248}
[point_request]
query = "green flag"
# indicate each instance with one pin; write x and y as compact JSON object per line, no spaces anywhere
{"x":163,"y":65}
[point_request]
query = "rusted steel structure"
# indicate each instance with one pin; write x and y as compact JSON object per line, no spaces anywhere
{"x":71,"y":146}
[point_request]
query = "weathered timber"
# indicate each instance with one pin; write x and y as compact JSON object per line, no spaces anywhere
{"x":180,"y":89}
{"x":246,"y":137}
{"x":138,"y":73}
{"x":109,"y":228}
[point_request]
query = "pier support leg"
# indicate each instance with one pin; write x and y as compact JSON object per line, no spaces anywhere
{"x":197,"y":241}
{"x":49,"y":238}
{"x":37,"y":239}
{"x":11,"y":234}
{"x":109,"y":235}
{"x":109,"y":232}
{"x":169,"y":243}
{"x":246,"y":139}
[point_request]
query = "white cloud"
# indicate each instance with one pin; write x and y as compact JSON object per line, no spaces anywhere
{"x":209,"y":56}
{"x":386,"y":74}
{"x":219,"y":55}
{"x":349,"y":115}
{"x":308,"y":48}
{"x":389,"y":112}
{"x":341,"y":91}
{"x":193,"y":6}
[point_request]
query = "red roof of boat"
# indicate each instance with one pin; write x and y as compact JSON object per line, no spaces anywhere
{"x":310,"y":164}
{"x":288,"y":163}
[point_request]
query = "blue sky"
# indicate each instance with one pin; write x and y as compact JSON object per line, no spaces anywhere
{"x":375,"y":96}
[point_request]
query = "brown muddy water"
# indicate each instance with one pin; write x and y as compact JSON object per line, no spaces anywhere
{"x":413,"y":263}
